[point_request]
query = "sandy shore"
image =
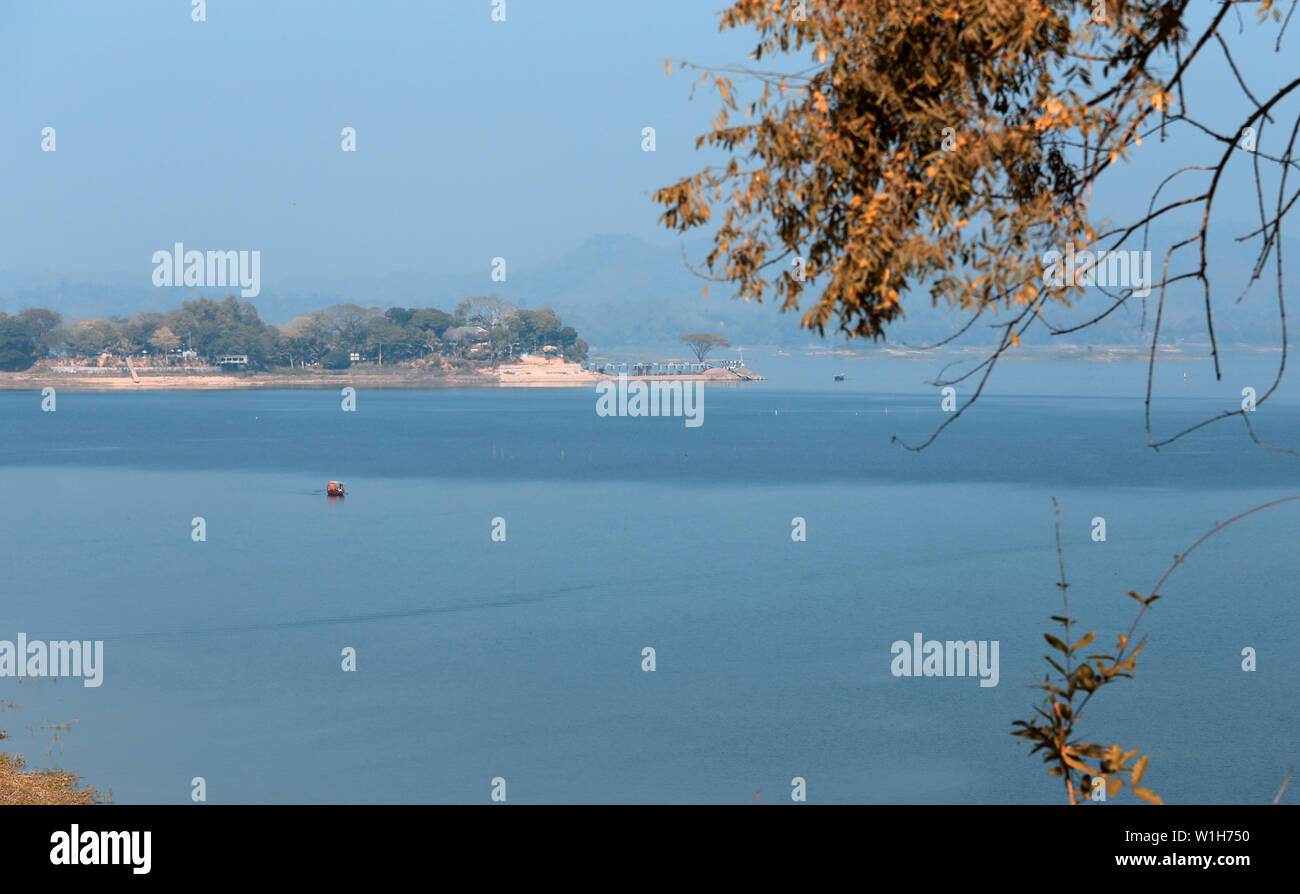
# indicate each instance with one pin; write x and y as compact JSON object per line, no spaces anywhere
{"x":531,"y":373}
{"x":35,"y":380}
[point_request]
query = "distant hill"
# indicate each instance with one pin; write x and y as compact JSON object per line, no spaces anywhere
{"x":626,"y":295}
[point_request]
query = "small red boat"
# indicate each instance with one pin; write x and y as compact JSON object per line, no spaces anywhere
{"x":335,"y":489}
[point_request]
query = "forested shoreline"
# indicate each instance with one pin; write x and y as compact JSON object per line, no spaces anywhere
{"x":481,"y":329}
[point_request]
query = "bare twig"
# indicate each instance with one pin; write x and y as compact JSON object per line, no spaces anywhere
{"x":1278,"y":799}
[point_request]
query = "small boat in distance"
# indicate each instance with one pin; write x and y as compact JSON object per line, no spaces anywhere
{"x":839,"y":377}
{"x":335,"y":489}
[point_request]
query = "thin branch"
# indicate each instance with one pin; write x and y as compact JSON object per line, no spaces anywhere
{"x":1180,"y":559}
{"x":1278,"y":799}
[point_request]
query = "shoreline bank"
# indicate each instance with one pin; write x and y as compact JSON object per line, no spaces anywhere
{"x":537,"y":374}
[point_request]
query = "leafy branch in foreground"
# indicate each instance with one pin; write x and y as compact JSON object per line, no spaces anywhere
{"x":1053,"y":730}
{"x":890,"y":148}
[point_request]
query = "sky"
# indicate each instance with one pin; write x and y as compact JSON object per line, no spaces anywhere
{"x":475,"y":139}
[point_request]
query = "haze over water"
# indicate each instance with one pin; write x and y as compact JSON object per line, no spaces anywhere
{"x":522,"y":659}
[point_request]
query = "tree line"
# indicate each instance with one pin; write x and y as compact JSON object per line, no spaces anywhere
{"x":481,"y":328}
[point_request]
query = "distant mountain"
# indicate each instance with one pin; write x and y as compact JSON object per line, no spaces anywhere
{"x":626,"y":295}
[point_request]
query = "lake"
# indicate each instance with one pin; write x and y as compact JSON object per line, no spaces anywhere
{"x":522,"y":657}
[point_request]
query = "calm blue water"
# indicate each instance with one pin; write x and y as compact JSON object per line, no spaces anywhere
{"x":522,"y":659}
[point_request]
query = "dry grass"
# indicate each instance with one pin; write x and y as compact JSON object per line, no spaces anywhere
{"x":18,"y":785}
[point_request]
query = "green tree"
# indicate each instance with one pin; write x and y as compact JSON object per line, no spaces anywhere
{"x":305,"y":339}
{"x":337,"y":358}
{"x":349,"y":325}
{"x":430,"y":319}
{"x":399,"y":316}
{"x":138,"y":329}
{"x":384,"y":336}
{"x":92,"y":338}
{"x":576,"y":352}
{"x":42,"y":324}
{"x":17,"y":348}
{"x":458,"y":340}
{"x":164,"y":341}
{"x":212,"y":328}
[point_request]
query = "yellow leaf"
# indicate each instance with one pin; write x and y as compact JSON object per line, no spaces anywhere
{"x":1015,"y":339}
{"x":668,"y":67}
{"x":1076,"y":763}
{"x":706,"y":292}
{"x":1138,"y":769}
{"x":1147,"y":795}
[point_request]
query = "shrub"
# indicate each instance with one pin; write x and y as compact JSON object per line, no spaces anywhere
{"x":336,"y":359}
{"x":17,"y":350}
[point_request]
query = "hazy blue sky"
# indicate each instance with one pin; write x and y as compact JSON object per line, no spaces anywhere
{"x":475,"y":138}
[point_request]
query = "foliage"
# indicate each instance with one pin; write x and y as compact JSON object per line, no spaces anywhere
{"x":17,"y":349}
{"x":1072,"y":683}
{"x":91,"y":338}
{"x":231,"y":326}
{"x":347,"y":325}
{"x":41,"y":323}
{"x":211,"y":328}
{"x":845,"y":167}
{"x":163,"y":340}
{"x":944,"y":146}
{"x":702,"y":343}
{"x":528,"y":331}
{"x":485,"y":309}
{"x":1053,"y":731}
{"x":384,"y":335}
{"x":427,"y":320}
{"x":337,"y":358}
